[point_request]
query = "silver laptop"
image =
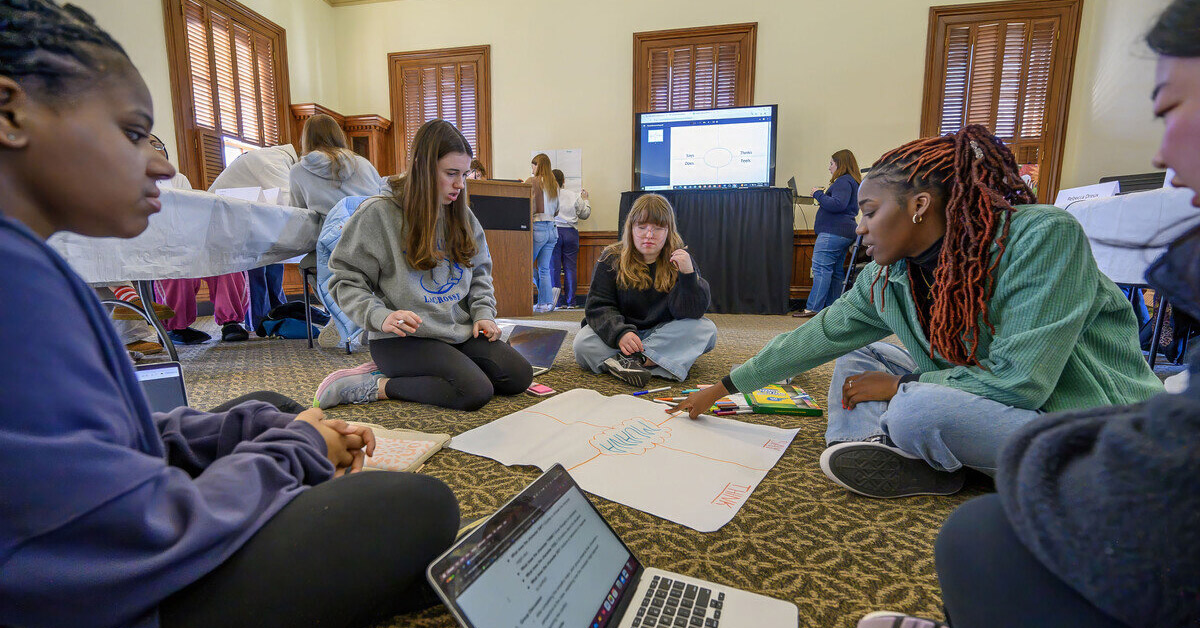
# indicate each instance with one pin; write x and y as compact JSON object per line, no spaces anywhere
{"x":539,"y":345}
{"x":548,"y":559}
{"x":163,"y":384}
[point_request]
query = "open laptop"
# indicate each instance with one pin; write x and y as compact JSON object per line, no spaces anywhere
{"x":547,"y":558}
{"x":163,"y":384}
{"x":539,"y":345}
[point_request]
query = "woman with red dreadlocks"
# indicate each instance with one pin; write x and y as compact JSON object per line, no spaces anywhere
{"x":1000,"y":307}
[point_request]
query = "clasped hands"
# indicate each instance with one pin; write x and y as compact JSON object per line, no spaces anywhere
{"x":346,"y":445}
{"x":869,"y":386}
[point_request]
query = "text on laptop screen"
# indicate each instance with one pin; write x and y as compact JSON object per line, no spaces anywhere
{"x":163,"y":387}
{"x":549,"y":560}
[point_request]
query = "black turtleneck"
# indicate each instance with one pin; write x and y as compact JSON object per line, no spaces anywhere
{"x":921,"y":275}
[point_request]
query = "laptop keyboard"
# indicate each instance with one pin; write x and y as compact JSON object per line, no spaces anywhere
{"x":671,"y":604}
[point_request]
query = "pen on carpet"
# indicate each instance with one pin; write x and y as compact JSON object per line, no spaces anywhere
{"x":652,"y":390}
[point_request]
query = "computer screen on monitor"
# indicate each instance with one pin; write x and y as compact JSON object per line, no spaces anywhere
{"x":706,"y":149}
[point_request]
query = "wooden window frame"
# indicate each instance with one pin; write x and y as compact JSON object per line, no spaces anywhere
{"x":187,"y":137}
{"x":482,"y":55}
{"x":744,"y":33}
{"x":1059,"y":98}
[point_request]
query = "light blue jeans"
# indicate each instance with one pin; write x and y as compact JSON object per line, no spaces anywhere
{"x":829,"y":270}
{"x":674,"y":346}
{"x":545,"y":235}
{"x":944,"y":426}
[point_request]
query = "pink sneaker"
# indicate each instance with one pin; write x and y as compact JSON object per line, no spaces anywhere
{"x":362,"y":369}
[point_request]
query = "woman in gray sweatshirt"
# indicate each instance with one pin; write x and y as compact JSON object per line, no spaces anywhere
{"x":413,"y":269}
{"x":329,"y":171}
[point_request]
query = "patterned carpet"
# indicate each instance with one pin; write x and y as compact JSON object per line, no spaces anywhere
{"x":799,"y":537}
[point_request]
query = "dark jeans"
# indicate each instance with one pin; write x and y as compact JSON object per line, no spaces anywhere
{"x":348,"y":552}
{"x":266,"y":292}
{"x":462,"y":376}
{"x":989,"y":578}
{"x":566,"y":254}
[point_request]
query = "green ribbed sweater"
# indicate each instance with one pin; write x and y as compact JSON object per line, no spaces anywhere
{"x":1065,"y":334}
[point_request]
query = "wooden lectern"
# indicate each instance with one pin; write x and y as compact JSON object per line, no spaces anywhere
{"x":505,"y":210}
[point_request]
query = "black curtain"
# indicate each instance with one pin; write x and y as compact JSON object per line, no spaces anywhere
{"x":741,"y":241}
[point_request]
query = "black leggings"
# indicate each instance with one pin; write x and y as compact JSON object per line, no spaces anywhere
{"x":284,"y":403}
{"x":989,"y":578}
{"x":462,"y":376}
{"x":349,"y":553}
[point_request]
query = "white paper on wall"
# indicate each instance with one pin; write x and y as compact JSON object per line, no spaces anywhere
{"x":570,"y":161}
{"x":628,"y":450}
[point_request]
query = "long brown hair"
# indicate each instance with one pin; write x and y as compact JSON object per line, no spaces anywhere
{"x":632,"y":271}
{"x":322,"y":134}
{"x":543,"y":173}
{"x":417,"y":193}
{"x":845,"y":163}
{"x":977,"y":177}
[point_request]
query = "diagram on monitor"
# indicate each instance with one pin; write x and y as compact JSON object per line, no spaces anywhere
{"x":721,"y":154}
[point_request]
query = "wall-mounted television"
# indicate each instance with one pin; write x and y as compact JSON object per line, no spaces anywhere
{"x":705,"y":149}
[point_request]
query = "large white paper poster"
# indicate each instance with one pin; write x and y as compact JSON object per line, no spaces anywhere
{"x":696,"y":473}
{"x":570,"y":161}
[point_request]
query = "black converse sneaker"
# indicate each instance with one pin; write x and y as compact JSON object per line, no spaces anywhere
{"x":877,"y":468}
{"x":628,"y":368}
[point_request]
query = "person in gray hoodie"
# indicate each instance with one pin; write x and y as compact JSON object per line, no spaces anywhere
{"x":328,"y":170}
{"x":413,"y":269}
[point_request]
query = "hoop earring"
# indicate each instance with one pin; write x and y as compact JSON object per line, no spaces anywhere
{"x":915,"y":221}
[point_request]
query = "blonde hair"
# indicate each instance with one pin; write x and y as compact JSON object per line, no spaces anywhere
{"x":633,"y":273}
{"x":845,"y":163}
{"x":417,"y":194}
{"x":322,"y":134}
{"x":544,"y":174}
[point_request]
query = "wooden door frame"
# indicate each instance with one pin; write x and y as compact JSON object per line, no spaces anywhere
{"x":483,"y":121}
{"x":1058,"y":102}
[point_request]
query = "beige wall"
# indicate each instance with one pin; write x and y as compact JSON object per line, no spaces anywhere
{"x":845,"y":74}
{"x":138,"y":26}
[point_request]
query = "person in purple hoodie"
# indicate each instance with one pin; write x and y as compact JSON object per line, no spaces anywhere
{"x":111,"y":515}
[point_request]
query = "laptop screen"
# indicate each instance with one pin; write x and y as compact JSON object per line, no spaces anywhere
{"x":538,"y":345}
{"x":163,"y":385}
{"x":546,"y":559}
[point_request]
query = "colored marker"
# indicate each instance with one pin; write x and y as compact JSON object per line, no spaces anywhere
{"x":664,"y":402}
{"x":728,"y":412}
{"x":652,"y":390}
{"x":691,"y":390}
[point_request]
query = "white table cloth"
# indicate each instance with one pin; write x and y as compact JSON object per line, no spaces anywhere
{"x":197,"y":234}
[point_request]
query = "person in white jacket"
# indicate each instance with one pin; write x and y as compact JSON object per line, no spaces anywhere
{"x":572,"y":207}
{"x":266,"y":168}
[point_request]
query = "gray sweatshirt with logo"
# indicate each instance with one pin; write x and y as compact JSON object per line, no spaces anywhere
{"x":371,"y":277}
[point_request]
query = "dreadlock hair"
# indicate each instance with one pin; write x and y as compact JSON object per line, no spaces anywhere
{"x":50,"y":48}
{"x":978,"y":179}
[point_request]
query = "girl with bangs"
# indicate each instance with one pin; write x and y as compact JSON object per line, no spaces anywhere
{"x":413,"y":269}
{"x":645,"y":307}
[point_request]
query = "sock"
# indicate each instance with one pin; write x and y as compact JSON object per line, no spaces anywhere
{"x":125,"y":293}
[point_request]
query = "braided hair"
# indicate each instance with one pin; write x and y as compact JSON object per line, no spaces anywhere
{"x":48,"y":46}
{"x":977,"y":177}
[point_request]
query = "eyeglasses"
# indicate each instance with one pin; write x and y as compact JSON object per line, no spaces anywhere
{"x":642,"y":230}
{"x":157,"y":144}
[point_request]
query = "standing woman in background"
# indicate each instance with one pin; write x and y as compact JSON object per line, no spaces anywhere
{"x":835,"y":230}
{"x":545,"y":235}
{"x":572,"y":207}
{"x":328,"y":170}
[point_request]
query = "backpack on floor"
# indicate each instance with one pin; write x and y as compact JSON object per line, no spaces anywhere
{"x":287,"y":328}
